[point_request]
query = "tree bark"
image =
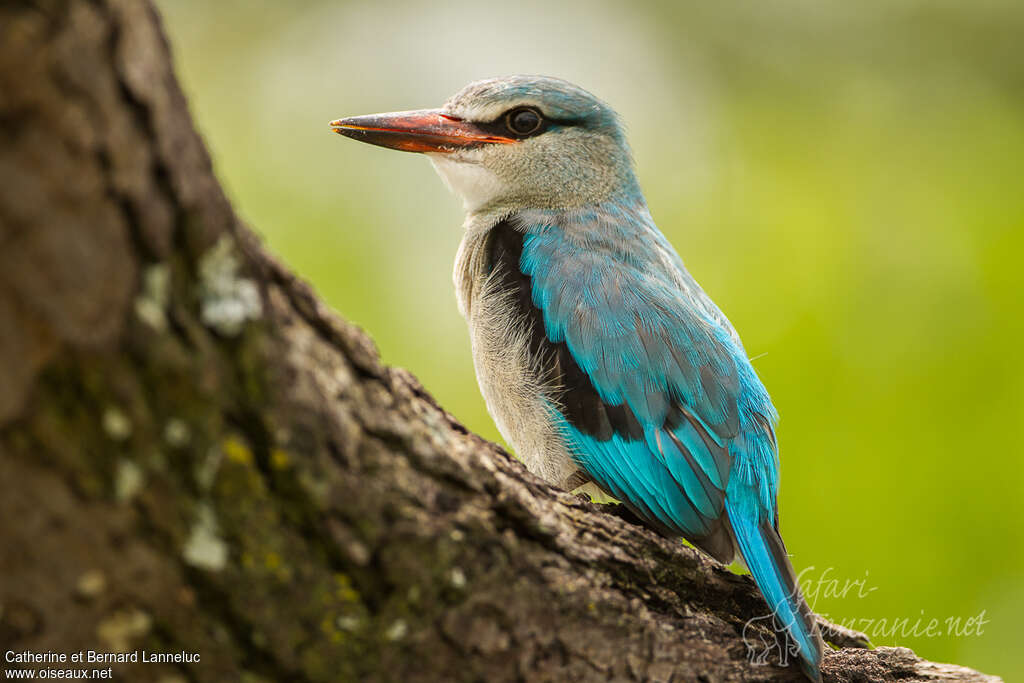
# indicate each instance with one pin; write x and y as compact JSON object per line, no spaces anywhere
{"x":197,"y":456}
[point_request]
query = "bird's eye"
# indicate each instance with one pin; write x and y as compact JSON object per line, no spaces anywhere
{"x":523,"y":121}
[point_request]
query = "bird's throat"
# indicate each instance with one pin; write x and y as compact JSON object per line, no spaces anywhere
{"x":476,"y":185}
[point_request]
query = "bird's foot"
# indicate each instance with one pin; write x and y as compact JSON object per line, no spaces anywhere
{"x":575,"y":480}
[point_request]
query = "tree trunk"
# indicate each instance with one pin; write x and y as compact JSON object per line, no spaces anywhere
{"x":196,"y":456}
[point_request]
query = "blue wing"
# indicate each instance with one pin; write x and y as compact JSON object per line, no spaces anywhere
{"x":654,"y":394}
{"x":676,"y":411}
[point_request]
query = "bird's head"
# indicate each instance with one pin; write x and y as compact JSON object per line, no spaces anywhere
{"x":509,"y":143}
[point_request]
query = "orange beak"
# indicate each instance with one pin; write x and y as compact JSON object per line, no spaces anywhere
{"x":427,"y":130}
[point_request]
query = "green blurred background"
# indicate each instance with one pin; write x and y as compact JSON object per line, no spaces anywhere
{"x":844,"y":179}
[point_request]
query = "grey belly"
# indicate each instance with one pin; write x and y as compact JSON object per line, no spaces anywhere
{"x":511,"y":384}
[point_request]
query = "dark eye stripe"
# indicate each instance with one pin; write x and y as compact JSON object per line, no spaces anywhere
{"x":499,"y":126}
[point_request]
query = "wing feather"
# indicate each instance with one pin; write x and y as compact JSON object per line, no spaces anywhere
{"x":647,"y":386}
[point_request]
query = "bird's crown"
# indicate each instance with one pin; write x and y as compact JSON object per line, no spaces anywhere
{"x":556,"y":100}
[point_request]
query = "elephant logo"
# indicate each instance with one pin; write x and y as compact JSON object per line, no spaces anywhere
{"x":764,"y":636}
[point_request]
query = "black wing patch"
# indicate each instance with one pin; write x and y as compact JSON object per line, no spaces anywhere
{"x":579,"y":400}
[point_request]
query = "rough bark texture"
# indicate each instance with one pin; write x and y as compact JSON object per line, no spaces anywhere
{"x":195,"y":455}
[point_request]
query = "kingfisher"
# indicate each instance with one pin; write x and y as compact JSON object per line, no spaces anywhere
{"x":599,"y":356}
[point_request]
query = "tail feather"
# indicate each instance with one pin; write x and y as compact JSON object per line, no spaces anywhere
{"x":765,"y":555}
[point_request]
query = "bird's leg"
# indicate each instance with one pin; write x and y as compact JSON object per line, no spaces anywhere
{"x":581,"y":484}
{"x":575,"y":480}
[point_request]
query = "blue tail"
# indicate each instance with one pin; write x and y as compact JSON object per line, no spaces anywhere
{"x":765,"y":555}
